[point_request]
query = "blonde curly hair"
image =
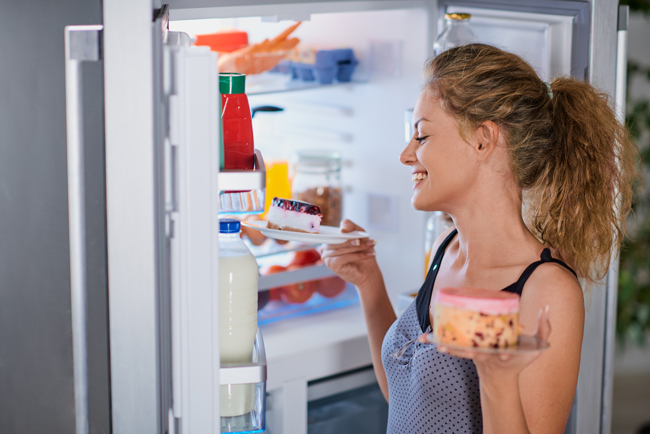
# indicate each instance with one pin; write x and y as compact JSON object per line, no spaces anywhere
{"x":568,"y":153}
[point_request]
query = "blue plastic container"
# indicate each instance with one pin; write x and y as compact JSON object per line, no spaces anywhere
{"x":329,"y":65}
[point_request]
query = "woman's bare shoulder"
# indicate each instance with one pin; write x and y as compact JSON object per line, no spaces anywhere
{"x":552,"y":285}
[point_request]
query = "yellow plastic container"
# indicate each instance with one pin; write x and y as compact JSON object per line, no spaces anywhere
{"x":277,"y":183}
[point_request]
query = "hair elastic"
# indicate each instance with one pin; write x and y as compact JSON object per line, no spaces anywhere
{"x":550,"y":92}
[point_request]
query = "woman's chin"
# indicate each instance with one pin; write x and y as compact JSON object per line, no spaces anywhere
{"x":422,"y":204}
{"x":418,"y":204}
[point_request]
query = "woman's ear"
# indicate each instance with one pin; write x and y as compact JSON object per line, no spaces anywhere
{"x":486,"y":138}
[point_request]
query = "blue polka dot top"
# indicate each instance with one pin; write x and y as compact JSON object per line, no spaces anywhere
{"x":431,"y":392}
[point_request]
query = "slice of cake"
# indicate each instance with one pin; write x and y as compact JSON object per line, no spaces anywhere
{"x":473,"y":317}
{"x":293,"y":215}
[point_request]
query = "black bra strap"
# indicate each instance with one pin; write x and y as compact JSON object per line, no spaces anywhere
{"x":518,"y":287}
{"x":423,"y":298}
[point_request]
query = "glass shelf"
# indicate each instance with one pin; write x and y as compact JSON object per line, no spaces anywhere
{"x":303,"y":274}
{"x":277,"y":310}
{"x":274,"y":83}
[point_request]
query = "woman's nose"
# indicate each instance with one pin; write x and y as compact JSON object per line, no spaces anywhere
{"x":408,"y":157}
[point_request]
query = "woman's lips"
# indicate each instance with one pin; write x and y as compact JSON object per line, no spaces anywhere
{"x":417,"y":177}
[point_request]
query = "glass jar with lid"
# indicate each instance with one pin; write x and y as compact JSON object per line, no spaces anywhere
{"x":457,"y":32}
{"x":317,"y":180}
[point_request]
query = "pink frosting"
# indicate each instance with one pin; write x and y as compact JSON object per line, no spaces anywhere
{"x":477,"y":299}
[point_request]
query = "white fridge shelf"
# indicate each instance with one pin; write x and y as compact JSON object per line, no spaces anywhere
{"x":244,"y":180}
{"x":246,"y":373}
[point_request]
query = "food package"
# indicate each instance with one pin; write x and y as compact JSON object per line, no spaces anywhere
{"x":224,"y":41}
{"x":260,"y":57}
{"x":322,"y":65}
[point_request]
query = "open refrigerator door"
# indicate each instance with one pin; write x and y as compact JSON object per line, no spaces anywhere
{"x":191,"y":143}
{"x":193,"y":184}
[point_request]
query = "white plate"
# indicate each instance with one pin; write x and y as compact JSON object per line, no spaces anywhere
{"x":326,"y":235}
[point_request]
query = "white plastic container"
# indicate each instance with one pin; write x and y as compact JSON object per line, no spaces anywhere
{"x":238,"y":273}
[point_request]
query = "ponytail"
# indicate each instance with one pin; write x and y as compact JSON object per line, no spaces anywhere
{"x":570,"y":157}
{"x":585,"y":189}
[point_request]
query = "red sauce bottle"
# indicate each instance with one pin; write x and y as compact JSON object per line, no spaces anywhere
{"x":238,"y":146}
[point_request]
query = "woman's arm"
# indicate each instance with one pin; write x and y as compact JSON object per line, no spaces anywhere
{"x":379,"y":315}
{"x":355,"y":262}
{"x":548,"y":385}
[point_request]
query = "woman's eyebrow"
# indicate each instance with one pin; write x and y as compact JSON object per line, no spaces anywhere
{"x":415,"y":125}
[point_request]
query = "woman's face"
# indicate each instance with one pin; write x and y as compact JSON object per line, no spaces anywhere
{"x":443,"y":165}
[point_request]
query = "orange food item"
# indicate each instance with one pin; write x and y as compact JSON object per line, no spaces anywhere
{"x":260,"y":57}
{"x":274,"y":293}
{"x":305,"y":257}
{"x":297,"y":292}
{"x":224,"y":41}
{"x":330,"y":286}
{"x":277,"y":183}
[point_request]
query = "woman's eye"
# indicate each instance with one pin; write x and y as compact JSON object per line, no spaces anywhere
{"x":421,"y":139}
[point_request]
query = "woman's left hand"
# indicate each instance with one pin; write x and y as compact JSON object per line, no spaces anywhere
{"x":496,"y":367}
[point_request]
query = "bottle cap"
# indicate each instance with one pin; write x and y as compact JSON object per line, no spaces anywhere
{"x":458,"y":16}
{"x":231,"y":82}
{"x":229,"y":226}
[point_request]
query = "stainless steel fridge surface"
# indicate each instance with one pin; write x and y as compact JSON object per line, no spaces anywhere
{"x":36,"y":370}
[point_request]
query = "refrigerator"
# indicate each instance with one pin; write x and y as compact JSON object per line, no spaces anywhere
{"x":157,"y":354}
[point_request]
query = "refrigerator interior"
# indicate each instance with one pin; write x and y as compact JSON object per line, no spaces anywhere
{"x":364,"y":120}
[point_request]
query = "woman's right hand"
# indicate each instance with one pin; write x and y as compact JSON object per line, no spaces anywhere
{"x":354,"y":260}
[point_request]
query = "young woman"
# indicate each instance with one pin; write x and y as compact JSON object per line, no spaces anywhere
{"x":538,"y":180}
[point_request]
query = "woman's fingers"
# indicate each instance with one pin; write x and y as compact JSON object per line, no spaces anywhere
{"x":255,"y":236}
{"x":349,"y":257}
{"x":350,"y":243}
{"x":543,"y":324}
{"x":331,"y":253}
{"x":350,"y":226}
{"x":463,"y":354}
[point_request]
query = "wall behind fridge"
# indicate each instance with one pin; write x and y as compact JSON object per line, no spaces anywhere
{"x":363,"y":120}
{"x":36,"y":377}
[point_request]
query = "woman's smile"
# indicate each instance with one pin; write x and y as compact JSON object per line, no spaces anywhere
{"x":417,"y":177}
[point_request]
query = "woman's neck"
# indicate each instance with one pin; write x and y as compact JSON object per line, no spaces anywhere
{"x":491,"y":231}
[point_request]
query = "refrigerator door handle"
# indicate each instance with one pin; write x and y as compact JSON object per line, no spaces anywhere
{"x":82,"y":44}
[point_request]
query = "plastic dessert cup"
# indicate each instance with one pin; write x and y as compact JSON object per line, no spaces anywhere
{"x":476,"y":318}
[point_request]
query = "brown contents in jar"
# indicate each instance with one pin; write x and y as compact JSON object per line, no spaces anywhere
{"x":329,"y":200}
